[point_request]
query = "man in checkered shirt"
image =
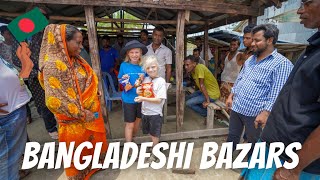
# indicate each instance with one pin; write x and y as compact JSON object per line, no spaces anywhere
{"x":257,"y":86}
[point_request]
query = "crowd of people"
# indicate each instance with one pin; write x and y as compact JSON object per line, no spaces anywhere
{"x":268,"y":96}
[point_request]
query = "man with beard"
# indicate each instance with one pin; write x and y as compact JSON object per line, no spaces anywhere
{"x":109,"y":58}
{"x":295,"y":116}
{"x":162,"y":52}
{"x":257,"y":85}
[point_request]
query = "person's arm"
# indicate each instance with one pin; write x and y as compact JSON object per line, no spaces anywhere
{"x":239,"y":59}
{"x":204,"y":92}
{"x":152,"y":100}
{"x":279,"y":78}
{"x":168,"y":72}
{"x":310,"y":152}
{"x":116,"y":59}
{"x":168,"y":65}
{"x":229,"y":101}
{"x":1,"y":110}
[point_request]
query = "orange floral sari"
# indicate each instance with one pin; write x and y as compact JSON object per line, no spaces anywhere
{"x":71,"y":93}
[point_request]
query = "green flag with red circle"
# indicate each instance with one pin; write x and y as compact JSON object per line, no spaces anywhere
{"x":28,"y":24}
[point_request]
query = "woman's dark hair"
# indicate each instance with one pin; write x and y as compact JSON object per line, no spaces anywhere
{"x":270,"y":31}
{"x":71,"y":31}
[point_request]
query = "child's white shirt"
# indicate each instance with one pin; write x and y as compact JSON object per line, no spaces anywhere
{"x":160,"y":91}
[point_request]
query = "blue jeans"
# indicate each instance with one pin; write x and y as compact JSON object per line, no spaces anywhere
{"x":237,"y":123}
{"x":13,"y":138}
{"x":195,"y":100}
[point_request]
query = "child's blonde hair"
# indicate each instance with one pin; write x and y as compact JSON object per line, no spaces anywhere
{"x":150,"y":60}
{"x":127,"y":59}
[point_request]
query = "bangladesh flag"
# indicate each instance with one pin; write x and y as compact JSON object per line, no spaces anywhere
{"x":28,"y":24}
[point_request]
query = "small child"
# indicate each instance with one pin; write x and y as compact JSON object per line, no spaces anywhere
{"x":152,"y":116}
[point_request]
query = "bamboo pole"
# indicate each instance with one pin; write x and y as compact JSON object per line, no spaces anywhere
{"x":179,"y":69}
{"x":94,"y":53}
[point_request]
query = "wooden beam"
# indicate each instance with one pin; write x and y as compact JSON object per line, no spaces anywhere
{"x":179,"y":69}
{"x":199,"y":14}
{"x":94,"y":53}
{"x":217,"y":6}
{"x":128,"y":29}
{"x":149,"y":13}
{"x":180,"y":135}
{"x":206,"y":46}
{"x":83,"y":19}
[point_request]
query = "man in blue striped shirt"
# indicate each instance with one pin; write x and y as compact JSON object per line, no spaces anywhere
{"x":257,"y":85}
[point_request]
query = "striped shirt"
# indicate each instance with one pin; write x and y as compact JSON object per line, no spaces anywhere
{"x":259,"y":83}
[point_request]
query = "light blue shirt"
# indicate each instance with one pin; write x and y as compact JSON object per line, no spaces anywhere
{"x":259,"y":83}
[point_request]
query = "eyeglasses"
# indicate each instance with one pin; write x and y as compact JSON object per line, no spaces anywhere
{"x":305,"y":3}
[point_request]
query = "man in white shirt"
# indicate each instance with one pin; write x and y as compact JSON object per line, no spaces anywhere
{"x":163,"y":53}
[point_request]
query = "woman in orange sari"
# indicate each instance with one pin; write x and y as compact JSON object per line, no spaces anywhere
{"x":71,"y":92}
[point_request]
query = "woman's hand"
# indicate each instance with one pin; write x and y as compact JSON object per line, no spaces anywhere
{"x":89,"y":116}
{"x":1,"y":110}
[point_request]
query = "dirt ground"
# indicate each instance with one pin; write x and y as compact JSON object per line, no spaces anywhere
{"x":192,"y":121}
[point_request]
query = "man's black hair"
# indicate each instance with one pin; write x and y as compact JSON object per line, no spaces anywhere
{"x":236,"y":39}
{"x":159,"y":28}
{"x":191,"y":58}
{"x":196,"y":49}
{"x":106,"y":37}
{"x":144,"y":31}
{"x":248,"y":28}
{"x":270,"y":31}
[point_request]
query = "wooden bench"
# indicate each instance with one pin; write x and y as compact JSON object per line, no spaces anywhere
{"x":212,"y":107}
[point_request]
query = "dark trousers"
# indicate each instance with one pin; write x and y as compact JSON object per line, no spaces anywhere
{"x":48,"y":119}
{"x":236,"y":125}
{"x":39,"y":99}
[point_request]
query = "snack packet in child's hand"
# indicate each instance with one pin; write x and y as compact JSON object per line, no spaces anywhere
{"x":139,"y":80}
{"x":147,"y":90}
{"x":125,"y":83}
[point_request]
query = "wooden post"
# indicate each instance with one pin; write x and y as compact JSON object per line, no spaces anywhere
{"x":216,"y":61}
{"x":205,"y":50}
{"x":94,"y":53}
{"x":179,"y":69}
